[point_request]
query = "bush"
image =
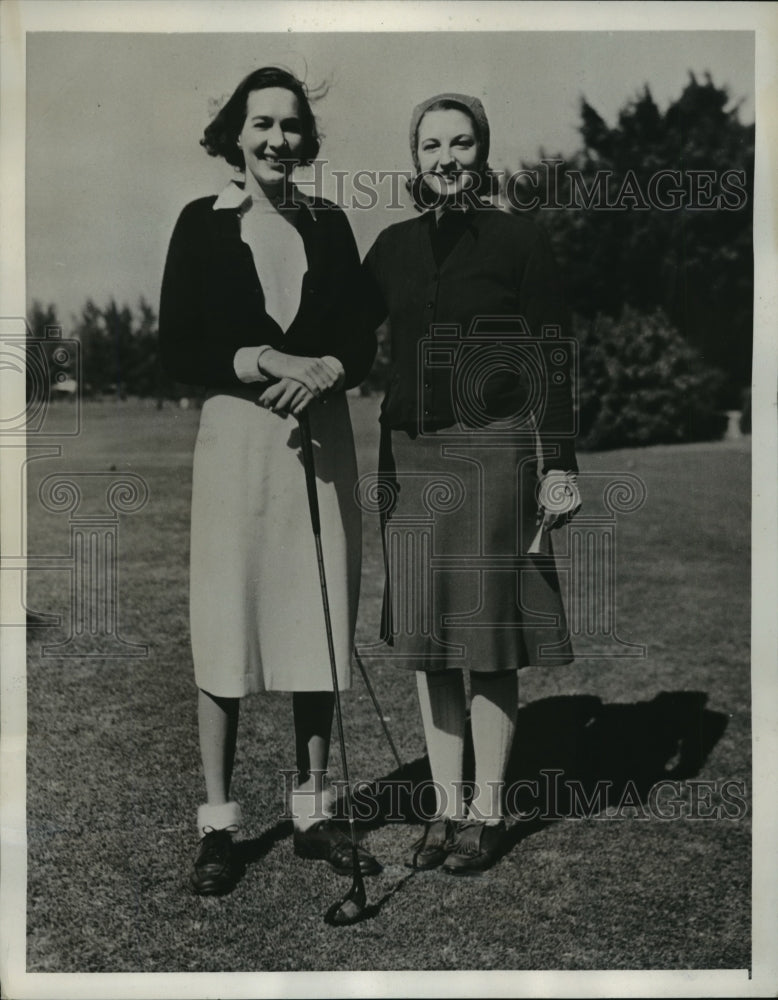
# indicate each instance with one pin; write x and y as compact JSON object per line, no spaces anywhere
{"x":641,"y":383}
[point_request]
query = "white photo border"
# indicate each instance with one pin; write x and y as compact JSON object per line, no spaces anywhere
{"x":18,"y":17}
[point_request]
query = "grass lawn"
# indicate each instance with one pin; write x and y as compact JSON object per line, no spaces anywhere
{"x":114,"y":771}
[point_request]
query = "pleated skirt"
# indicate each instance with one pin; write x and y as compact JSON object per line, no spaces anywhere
{"x":256,"y":615}
{"x":459,"y":515}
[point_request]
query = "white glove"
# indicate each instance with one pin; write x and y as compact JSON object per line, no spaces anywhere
{"x":559,"y":500}
{"x":558,"y":496}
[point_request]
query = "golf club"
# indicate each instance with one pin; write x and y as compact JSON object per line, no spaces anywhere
{"x":352,"y":907}
{"x":377,"y":707}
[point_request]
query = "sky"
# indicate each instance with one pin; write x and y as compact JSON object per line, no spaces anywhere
{"x":114,"y":122}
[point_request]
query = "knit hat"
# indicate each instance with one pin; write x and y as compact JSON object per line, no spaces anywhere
{"x":470,"y":104}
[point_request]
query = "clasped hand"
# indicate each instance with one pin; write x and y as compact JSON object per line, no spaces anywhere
{"x":299,"y":381}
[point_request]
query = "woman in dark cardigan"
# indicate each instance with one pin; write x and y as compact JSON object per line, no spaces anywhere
{"x":256,"y":307}
{"x":480,"y":372}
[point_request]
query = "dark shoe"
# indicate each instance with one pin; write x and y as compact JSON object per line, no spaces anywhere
{"x":215,"y":869}
{"x":476,"y":847}
{"x":326,"y":842}
{"x":432,"y":848}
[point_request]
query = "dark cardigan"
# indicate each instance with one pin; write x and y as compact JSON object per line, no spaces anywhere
{"x":475,"y":282}
{"x":212,"y":301}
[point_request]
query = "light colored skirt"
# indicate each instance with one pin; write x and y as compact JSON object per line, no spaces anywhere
{"x":461,"y":591}
{"x":255,"y":602}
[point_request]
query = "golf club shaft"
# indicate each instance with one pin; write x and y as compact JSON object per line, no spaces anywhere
{"x":331,"y":650}
{"x":313,"y":504}
{"x":377,"y":707}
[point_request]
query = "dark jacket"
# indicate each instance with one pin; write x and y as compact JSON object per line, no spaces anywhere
{"x":212,"y":301}
{"x":467,"y":329}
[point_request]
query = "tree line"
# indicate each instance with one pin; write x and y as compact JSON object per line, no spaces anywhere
{"x":119,"y":349}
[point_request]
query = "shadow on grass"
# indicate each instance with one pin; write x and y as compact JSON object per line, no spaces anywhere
{"x":573,"y":757}
{"x":372,"y":910}
{"x":248,"y":852}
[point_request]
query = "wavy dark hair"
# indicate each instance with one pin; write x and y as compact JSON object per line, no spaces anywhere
{"x":488,"y":181}
{"x":221,"y":135}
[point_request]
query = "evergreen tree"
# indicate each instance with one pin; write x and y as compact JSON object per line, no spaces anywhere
{"x":693,"y":258}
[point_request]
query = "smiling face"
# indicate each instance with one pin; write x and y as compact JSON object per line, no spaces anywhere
{"x":271,"y":137}
{"x":447,"y":150}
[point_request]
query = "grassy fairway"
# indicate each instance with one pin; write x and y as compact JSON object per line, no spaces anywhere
{"x":114,"y":772}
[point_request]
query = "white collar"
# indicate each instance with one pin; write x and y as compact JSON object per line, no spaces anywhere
{"x":234,"y":196}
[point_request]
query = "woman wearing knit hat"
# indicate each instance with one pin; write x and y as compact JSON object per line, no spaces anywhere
{"x":480,"y":376}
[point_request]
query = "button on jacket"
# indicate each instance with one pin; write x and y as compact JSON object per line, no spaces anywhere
{"x":212,"y":301}
{"x":468,"y":287}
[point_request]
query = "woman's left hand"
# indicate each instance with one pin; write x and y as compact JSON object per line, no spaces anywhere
{"x":286,"y":396}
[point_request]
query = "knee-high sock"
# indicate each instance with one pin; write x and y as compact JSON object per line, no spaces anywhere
{"x":442,"y":704}
{"x":493,"y":709}
{"x":311,"y":801}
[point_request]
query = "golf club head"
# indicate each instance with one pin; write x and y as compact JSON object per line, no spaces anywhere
{"x":350,"y":909}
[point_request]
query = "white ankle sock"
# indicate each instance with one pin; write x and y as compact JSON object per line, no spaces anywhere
{"x":442,"y":704}
{"x":219,"y":817}
{"x":495,"y":699}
